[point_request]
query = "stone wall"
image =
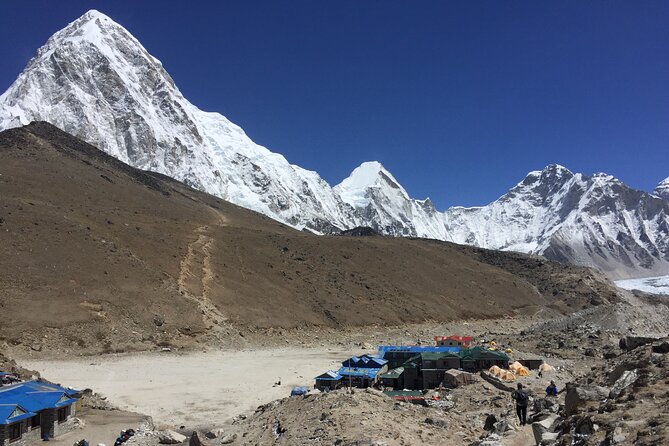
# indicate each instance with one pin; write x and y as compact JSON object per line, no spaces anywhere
{"x":29,"y":437}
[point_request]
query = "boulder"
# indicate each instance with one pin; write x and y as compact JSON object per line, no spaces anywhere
{"x":170,"y":437}
{"x":579,"y":397}
{"x":490,"y":421}
{"x":490,"y":440}
{"x":199,"y":439}
{"x":585,"y":426}
{"x":546,"y":405}
{"x":214,"y":433}
{"x":631,"y":342}
{"x":502,"y":426}
{"x":437,"y":422}
{"x":539,"y":428}
{"x":229,"y":439}
{"x":627,"y":378}
{"x":549,"y":438}
{"x":661,"y":348}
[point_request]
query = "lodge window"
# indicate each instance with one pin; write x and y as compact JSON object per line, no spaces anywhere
{"x":35,"y":421}
{"x":63,"y":413}
{"x":15,"y":432}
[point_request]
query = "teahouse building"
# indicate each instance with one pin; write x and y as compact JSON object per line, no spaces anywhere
{"x":34,"y":410}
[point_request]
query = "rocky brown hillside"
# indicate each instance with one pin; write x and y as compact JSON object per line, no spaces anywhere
{"x":98,"y":256}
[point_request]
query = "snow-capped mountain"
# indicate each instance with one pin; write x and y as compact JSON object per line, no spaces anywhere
{"x":662,"y":189}
{"x":383,"y":204}
{"x":587,"y":220}
{"x":94,"y":80}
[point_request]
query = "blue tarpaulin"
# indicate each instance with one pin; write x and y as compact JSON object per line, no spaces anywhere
{"x":415,"y":349}
{"x":359,"y":372}
{"x":297,"y":391}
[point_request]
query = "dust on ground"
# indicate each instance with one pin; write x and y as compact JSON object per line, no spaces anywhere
{"x":193,"y":389}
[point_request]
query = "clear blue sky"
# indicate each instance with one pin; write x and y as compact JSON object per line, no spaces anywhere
{"x":459,"y":100}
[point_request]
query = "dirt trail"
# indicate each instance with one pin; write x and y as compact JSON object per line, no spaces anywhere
{"x":196,"y":276}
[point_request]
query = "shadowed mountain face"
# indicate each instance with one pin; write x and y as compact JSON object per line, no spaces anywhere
{"x":98,"y":253}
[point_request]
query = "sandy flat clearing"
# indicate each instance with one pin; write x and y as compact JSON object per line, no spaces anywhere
{"x":195,"y":389}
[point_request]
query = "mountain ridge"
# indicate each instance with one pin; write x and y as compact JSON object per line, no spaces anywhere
{"x":119,"y":258}
{"x":94,"y":80}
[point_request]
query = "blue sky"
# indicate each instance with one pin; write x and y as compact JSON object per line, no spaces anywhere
{"x":459,"y":100}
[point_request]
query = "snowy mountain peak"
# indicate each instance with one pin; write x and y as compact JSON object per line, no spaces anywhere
{"x":94,"y":80}
{"x":354,"y":190}
{"x":662,"y":189}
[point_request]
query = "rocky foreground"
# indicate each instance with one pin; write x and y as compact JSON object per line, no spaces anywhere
{"x":612,"y":367}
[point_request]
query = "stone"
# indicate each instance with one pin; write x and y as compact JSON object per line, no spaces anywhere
{"x":546,"y":405}
{"x":610,"y":355}
{"x":170,"y":437}
{"x":539,"y":428}
{"x":214,"y":433}
{"x":375,"y":392}
{"x":490,"y":440}
{"x":549,"y":438}
{"x":631,"y":342}
{"x":590,"y":352}
{"x":627,"y":378}
{"x":228,"y":439}
{"x":502,"y":426}
{"x":661,"y":348}
{"x":585,"y":426}
{"x":198,"y":439}
{"x":490,"y":421}
{"x":579,"y":397}
{"x":437,"y":422}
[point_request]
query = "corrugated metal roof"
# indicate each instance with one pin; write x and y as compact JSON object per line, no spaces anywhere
{"x":364,"y":372}
{"x":365,"y":361}
{"x":11,"y":413}
{"x":434,"y":356}
{"x":480,"y":352}
{"x":34,"y":396}
{"x":329,"y":375}
{"x":393,"y":374}
{"x":416,"y":349}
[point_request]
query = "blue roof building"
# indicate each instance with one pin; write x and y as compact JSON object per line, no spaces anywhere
{"x":33,"y":410}
{"x":329,"y":380}
{"x":396,"y":355}
{"x":364,"y":362}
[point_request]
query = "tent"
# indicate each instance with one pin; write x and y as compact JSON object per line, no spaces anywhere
{"x":545,"y":368}
{"x":519,"y":369}
{"x":494,"y":370}
{"x":507,"y":376}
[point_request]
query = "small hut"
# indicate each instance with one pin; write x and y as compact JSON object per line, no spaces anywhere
{"x":456,"y":378}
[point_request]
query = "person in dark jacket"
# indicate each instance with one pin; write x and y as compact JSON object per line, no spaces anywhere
{"x":521,"y":397}
{"x":551,"y":390}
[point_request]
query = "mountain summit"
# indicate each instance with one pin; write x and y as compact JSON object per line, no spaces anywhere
{"x":94,"y":80}
{"x":662,"y":189}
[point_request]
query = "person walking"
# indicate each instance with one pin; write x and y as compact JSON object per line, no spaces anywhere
{"x":521,"y":397}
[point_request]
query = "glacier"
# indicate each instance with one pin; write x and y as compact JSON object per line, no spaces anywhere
{"x":654,"y":285}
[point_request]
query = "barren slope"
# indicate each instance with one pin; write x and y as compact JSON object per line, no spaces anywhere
{"x":96,"y":254}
